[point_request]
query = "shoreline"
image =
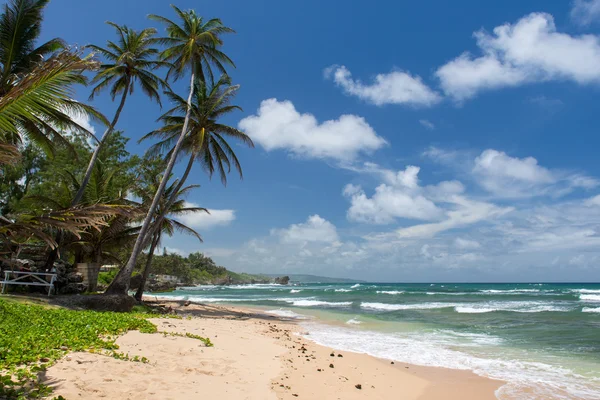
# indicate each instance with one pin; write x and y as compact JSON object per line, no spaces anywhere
{"x":256,"y":356}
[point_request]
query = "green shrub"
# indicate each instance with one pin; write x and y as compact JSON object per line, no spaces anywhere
{"x":33,"y":337}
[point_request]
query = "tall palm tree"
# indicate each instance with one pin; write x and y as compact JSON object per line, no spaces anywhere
{"x":165,"y":222}
{"x":130,"y":61}
{"x":192,"y":47}
{"x":205,"y":142}
{"x":42,"y":74}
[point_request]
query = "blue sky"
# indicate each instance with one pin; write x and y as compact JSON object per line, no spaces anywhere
{"x":400,"y":141}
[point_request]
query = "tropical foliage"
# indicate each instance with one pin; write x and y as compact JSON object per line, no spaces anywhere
{"x":87,"y":199}
{"x":192,"y":46}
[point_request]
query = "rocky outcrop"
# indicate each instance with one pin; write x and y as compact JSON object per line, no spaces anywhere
{"x":282,"y":280}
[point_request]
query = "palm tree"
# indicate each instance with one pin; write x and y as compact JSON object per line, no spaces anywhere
{"x":192,"y":46}
{"x":206,"y":141}
{"x":18,"y":229}
{"x":35,"y":82}
{"x":164,"y":222}
{"x":131,"y":60}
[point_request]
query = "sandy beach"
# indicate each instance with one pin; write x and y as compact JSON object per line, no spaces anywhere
{"x":255,"y":356}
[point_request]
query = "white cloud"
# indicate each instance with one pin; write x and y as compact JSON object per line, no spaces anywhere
{"x":464,"y":212}
{"x":315,"y":229}
{"x":466,"y":244}
{"x":585,"y":12}
{"x":400,"y":197}
{"x":531,"y":50}
{"x":202,"y":221}
{"x":485,"y":241}
{"x":505,"y":176}
{"x":464,"y":76}
{"x":396,"y":87}
{"x":593,"y":201}
{"x":278,"y":125}
{"x":427,"y":124}
{"x":83,"y":120}
{"x":508,"y":176}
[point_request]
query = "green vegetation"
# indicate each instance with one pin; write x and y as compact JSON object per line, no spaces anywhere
{"x":198,"y":269}
{"x":204,"y":340}
{"x":67,"y":193}
{"x":33,"y":336}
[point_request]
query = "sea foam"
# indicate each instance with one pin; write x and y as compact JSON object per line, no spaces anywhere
{"x":396,"y":307}
{"x":526,"y":380}
{"x":285,"y":313}
{"x":590,"y":297}
{"x":317,"y":303}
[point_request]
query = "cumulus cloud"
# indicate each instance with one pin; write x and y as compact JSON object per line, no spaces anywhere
{"x":585,"y":12}
{"x":509,"y":176}
{"x":204,"y":221}
{"x":278,"y":126}
{"x":531,"y":50}
{"x":506,"y":176}
{"x":401,"y":197}
{"x":396,"y":87}
{"x":315,"y":229}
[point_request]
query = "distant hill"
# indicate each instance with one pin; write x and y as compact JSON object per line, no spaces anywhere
{"x":300,"y":278}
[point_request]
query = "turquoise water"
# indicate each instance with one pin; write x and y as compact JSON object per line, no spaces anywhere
{"x":542,"y":339}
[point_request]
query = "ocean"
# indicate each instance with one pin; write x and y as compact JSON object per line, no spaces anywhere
{"x":543,"y":339}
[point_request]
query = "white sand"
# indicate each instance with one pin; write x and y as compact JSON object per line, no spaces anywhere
{"x":254,"y":357}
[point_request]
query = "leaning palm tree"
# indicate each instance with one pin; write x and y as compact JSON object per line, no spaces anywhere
{"x":130,"y":61}
{"x":193,"y":47}
{"x":44,"y":74}
{"x":205,"y":142}
{"x":165,"y":221}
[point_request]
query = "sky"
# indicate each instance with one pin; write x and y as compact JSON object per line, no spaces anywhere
{"x":394,"y":141}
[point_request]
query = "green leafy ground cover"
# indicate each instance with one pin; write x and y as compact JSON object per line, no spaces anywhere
{"x":33,"y":337}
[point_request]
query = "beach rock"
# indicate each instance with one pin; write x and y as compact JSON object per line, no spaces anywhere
{"x":283,"y":280}
{"x":358,"y":386}
{"x":392,"y":363}
{"x":339,"y":355}
{"x":75,"y":277}
{"x":331,"y":366}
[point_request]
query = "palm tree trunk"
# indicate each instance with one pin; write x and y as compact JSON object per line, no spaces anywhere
{"x":92,"y":163}
{"x":53,"y":255}
{"x":164,"y":212}
{"x":147,"y":268}
{"x":120,"y":285}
